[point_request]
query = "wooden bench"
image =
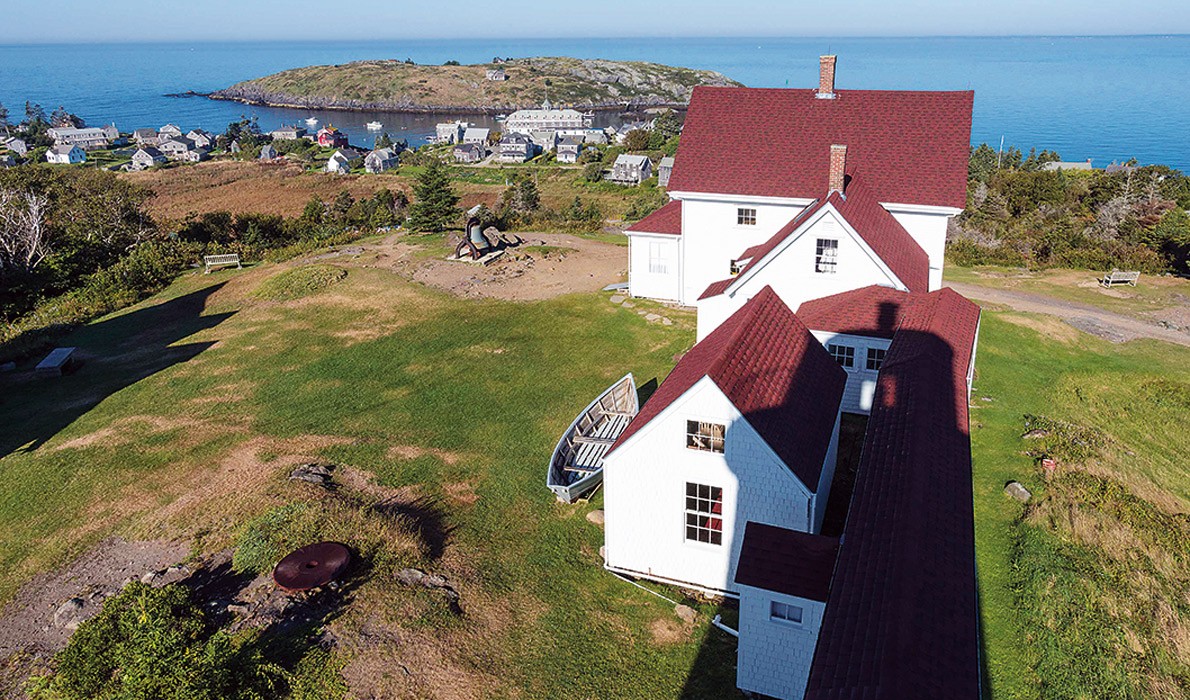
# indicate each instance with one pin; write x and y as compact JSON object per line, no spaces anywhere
{"x":1120,"y":277}
{"x":226,"y":260}
{"x":57,"y":363}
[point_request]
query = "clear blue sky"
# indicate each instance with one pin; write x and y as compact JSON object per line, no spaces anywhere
{"x":25,"y":21}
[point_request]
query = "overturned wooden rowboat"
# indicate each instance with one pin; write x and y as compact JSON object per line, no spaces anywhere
{"x":576,"y":467}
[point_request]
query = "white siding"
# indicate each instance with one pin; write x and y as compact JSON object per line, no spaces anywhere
{"x":929,"y":230}
{"x":792,"y":274}
{"x":654,"y":267}
{"x":713,"y":238}
{"x":861,"y":382}
{"x":774,"y":656}
{"x":644,"y":494}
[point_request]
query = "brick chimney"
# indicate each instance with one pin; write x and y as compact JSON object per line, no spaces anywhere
{"x":837,"y":168}
{"x":826,"y":78}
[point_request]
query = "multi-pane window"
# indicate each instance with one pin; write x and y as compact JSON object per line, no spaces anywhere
{"x":843,"y":354}
{"x":785,"y":612}
{"x":707,"y":437}
{"x":745,"y":216}
{"x":658,"y":259}
{"x":704,"y":513}
{"x":826,"y":255}
{"x":737,"y":266}
{"x":875,"y":359}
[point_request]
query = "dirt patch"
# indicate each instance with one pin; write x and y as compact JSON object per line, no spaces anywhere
{"x":1049,"y":327}
{"x":410,"y":452}
{"x":364,"y":482}
{"x":124,"y":431}
{"x":523,"y":276}
{"x":28,"y":623}
{"x":667,"y":631}
{"x":461,"y":492}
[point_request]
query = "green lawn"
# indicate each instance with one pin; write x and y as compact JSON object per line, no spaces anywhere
{"x":190,"y":406}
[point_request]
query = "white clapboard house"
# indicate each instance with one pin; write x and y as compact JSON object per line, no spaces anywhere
{"x":834,"y":204}
{"x":860,"y":184}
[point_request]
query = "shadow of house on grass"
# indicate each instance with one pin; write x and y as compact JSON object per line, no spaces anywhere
{"x":902,"y":612}
{"x":115,"y":353}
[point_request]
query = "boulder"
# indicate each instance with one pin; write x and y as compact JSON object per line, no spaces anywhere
{"x":685,"y":613}
{"x":595,"y":516}
{"x":317,"y":473}
{"x":1017,"y":491}
{"x":618,"y":299}
{"x":1036,"y":434}
{"x":67,"y":614}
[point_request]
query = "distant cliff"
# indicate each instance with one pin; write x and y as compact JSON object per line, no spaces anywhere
{"x":585,"y":84}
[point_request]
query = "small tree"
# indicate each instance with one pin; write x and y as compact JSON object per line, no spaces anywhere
{"x":434,"y":201}
{"x":4,"y":118}
{"x":593,"y":172}
{"x":636,"y":140}
{"x":383,"y":141}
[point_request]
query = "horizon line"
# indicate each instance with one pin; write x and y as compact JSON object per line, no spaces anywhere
{"x":593,"y":37}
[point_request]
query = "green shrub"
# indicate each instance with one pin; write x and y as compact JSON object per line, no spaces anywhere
{"x":268,"y":538}
{"x":156,"y":643}
{"x":299,"y":282}
{"x":1064,"y":441}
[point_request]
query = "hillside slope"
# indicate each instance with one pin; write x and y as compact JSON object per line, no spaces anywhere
{"x":594,"y":84}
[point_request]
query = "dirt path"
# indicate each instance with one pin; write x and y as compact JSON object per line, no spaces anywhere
{"x":1117,"y":328}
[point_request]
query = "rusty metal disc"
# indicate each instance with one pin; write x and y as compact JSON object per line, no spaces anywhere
{"x":312,"y":566}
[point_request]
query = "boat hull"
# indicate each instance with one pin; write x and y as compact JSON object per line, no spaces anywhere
{"x":576,"y":465}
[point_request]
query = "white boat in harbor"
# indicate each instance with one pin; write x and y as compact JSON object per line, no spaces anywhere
{"x":311,"y":121}
{"x":576,"y":466}
{"x":501,"y":117}
{"x":375,"y":126}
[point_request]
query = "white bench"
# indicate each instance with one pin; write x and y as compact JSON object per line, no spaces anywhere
{"x":226,"y":260}
{"x":1114,"y":277}
{"x":58,"y":362}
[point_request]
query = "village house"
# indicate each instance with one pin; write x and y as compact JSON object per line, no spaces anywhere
{"x":88,"y":139}
{"x":516,"y":148}
{"x":7,"y":161}
{"x":475,"y":134}
{"x":1064,"y":165}
{"x":175,"y":147}
{"x":664,"y":169}
{"x":17,"y":146}
{"x":469,"y":153}
{"x":195,"y":155}
{"x":450,"y":132}
{"x":146,"y":157}
{"x":145,"y":137}
{"x":630,"y":169}
{"x":587,"y":136}
{"x":855,"y":204}
{"x":288,"y":133}
{"x":382,"y":159}
{"x":267,"y":152}
{"x":495,"y":75}
{"x":342,"y":161}
{"x":732,"y":435}
{"x":169,"y":131}
{"x":569,"y":149}
{"x":330,"y":137}
{"x":234,"y":147}
{"x":525,"y":121}
{"x":201,"y":139}
{"x":65,"y":154}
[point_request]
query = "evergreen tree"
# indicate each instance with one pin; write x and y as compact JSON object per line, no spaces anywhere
{"x":434,"y":201}
{"x":4,"y":118}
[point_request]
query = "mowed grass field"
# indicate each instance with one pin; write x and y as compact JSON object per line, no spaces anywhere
{"x":192,"y":407}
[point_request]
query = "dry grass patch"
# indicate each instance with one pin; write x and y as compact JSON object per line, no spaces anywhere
{"x":1048,"y":326}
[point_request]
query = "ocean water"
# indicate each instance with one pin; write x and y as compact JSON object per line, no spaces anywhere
{"x":1104,"y":98}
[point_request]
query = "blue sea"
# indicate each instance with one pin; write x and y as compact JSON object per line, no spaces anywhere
{"x":1104,"y":98}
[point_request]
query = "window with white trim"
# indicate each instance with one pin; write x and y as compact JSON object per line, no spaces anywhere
{"x":875,"y":359}
{"x":826,"y":255}
{"x":658,"y":259}
{"x":737,"y":266}
{"x":704,"y":513}
{"x":785,"y":612}
{"x":745,"y":216}
{"x":705,"y":437}
{"x":843,"y":354}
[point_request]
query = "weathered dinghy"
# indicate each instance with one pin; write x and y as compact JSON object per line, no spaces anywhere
{"x":577,"y":465}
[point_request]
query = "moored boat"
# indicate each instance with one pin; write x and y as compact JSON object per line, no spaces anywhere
{"x":311,"y":121}
{"x":375,"y":126}
{"x":576,"y":466}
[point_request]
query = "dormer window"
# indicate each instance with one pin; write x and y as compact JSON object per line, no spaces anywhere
{"x":826,"y":255}
{"x":745,"y":216}
{"x":737,"y":266}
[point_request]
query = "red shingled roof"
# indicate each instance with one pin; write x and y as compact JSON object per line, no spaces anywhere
{"x":871,"y":311}
{"x":901,"y":619}
{"x":912,"y":145}
{"x":887,"y":238}
{"x":786,"y":561}
{"x":667,"y":220}
{"x":774,"y":372}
